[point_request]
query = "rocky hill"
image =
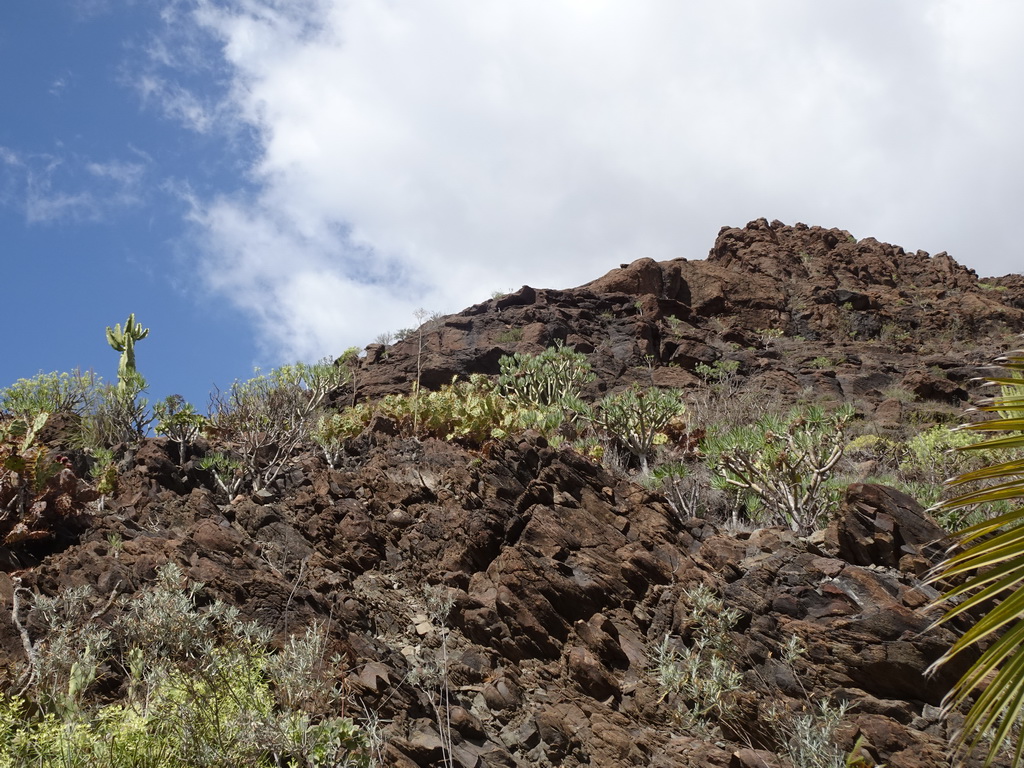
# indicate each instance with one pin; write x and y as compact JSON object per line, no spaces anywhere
{"x":519,"y":605}
{"x":883,"y":316}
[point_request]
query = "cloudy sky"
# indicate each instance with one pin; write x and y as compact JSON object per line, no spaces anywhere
{"x":270,"y":180}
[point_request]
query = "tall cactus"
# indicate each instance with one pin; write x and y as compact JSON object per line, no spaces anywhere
{"x":124,"y":342}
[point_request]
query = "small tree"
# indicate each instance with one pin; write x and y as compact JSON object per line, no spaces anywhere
{"x":784,"y":462}
{"x":178,"y":420}
{"x":636,"y":417}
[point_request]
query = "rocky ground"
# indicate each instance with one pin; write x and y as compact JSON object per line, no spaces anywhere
{"x":536,"y":586}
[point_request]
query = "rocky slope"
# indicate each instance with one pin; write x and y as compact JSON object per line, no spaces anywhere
{"x":537,"y":585}
{"x":880,"y":316}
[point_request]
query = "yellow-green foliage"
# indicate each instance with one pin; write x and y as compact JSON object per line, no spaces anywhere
{"x":865,"y":447}
{"x":931,"y":457}
{"x":636,"y":417}
{"x":555,"y":377}
{"x":470,"y":412}
{"x":54,"y":392}
{"x":203,"y":689}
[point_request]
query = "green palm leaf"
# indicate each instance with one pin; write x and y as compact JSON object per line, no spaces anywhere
{"x":992,"y":569}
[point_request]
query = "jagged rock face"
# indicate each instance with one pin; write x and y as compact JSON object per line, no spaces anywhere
{"x":874,"y":307}
{"x":562,"y":581}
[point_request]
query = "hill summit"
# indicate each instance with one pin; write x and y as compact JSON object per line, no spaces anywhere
{"x":528,"y":600}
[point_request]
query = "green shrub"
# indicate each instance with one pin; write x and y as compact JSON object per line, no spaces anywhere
{"x":510,"y":336}
{"x":70,"y":393}
{"x":203,"y":689}
{"x":179,"y":421}
{"x":687,"y":488}
{"x":933,"y":456}
{"x":866,"y":447}
{"x":333,"y":429}
{"x":263,"y":421}
{"x":783,"y":464}
{"x":118,"y":415}
{"x":636,"y":418}
{"x":227,"y":472}
{"x":555,"y":377}
{"x":768,"y":336}
{"x":719,"y":372}
{"x":104,"y":473}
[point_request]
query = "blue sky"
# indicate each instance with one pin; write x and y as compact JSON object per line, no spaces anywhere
{"x":271,"y":180}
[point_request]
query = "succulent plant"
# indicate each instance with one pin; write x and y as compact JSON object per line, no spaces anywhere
{"x":123,"y":340}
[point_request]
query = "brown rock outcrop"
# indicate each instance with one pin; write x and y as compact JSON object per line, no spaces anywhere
{"x":563,"y":581}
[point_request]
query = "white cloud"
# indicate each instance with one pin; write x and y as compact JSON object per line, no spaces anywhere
{"x":50,"y":189}
{"x":418,"y":153}
{"x":178,"y":103}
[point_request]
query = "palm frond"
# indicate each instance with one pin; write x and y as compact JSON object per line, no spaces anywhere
{"x":990,"y":563}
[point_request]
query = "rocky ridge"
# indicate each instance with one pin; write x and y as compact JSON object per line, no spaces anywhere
{"x":559,"y":580}
{"x":882,"y":316}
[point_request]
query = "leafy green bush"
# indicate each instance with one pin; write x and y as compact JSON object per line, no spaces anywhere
{"x":227,"y":472}
{"x":118,"y":414}
{"x":782,"y":464}
{"x":510,"y":336}
{"x":70,"y":393}
{"x":931,"y":457}
{"x":203,"y":689}
{"x":555,"y":377}
{"x":635,"y":418}
{"x":720,"y":372}
{"x":178,"y":420}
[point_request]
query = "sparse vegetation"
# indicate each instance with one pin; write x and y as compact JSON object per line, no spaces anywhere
{"x":203,"y":688}
{"x":173,"y":677}
{"x":39,"y":493}
{"x":783,"y":464}
{"x":701,"y":677}
{"x":510,"y":336}
{"x":264,"y":421}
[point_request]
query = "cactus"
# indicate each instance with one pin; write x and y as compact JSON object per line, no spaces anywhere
{"x":124,"y":342}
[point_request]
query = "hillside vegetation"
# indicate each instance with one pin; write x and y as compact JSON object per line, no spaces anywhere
{"x":673,"y":517}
